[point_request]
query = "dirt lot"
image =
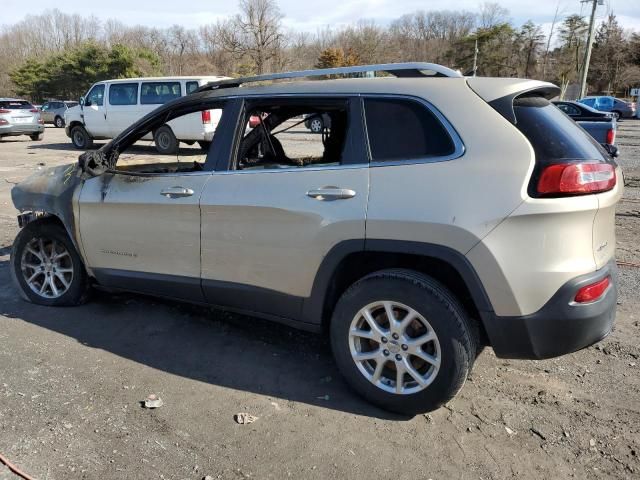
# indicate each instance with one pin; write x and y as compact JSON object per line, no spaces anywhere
{"x":71,"y":382}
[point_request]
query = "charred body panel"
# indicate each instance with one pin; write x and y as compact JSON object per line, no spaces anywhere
{"x":51,"y":192}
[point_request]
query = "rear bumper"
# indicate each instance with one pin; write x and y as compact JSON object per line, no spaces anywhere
{"x":21,"y":129}
{"x":559,"y":327}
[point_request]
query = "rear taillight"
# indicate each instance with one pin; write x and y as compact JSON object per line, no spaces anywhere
{"x":206,"y":116}
{"x":34,"y":110}
{"x":576,"y":179}
{"x":3,"y":121}
{"x":4,"y":110}
{"x":611,"y":136}
{"x":593,"y":292}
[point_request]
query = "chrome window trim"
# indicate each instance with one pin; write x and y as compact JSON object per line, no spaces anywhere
{"x":458,"y":150}
{"x":293,"y":169}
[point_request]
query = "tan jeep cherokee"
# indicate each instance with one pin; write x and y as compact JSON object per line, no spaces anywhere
{"x":432,"y":215}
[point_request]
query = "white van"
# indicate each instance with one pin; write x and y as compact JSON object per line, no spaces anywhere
{"x":111,"y":106}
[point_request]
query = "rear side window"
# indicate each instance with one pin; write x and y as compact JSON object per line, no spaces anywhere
{"x":154,"y":93}
{"x":15,"y":105}
{"x":553,"y":136}
{"x":400,"y":129}
{"x":192,"y":87}
{"x":123,"y":94}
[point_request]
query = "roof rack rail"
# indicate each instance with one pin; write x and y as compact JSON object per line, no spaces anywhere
{"x":415,"y":70}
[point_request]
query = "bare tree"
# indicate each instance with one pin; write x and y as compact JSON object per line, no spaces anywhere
{"x":492,"y":14}
{"x":255,"y":33}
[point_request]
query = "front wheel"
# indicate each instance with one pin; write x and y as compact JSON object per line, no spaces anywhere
{"x":81,"y":138}
{"x":37,"y":137}
{"x":46,"y":267}
{"x":617,"y":115}
{"x":402,"y":341}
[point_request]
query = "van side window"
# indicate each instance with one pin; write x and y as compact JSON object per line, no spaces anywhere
{"x":400,"y":129}
{"x":96,"y":96}
{"x":192,"y":87}
{"x":123,"y":94}
{"x":157,"y":93}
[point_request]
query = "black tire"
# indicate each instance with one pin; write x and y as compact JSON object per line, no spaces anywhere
{"x":456,"y":335}
{"x":204,"y":145}
{"x":166,"y":142}
{"x":37,"y":137}
{"x":617,"y":115}
{"x":81,"y":138}
{"x":58,"y":122}
{"x":49,"y":230}
{"x":316,"y":125}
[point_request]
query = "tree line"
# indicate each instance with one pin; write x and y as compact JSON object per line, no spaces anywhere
{"x":57,"y":55}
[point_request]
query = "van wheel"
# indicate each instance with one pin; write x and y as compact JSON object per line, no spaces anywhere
{"x":402,"y":341}
{"x":46,"y":267}
{"x":204,"y":145}
{"x":166,"y":142}
{"x":81,"y":138}
{"x":36,"y":137}
{"x":58,"y":122}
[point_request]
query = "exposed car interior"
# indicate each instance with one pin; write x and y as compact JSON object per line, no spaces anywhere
{"x":267,"y":142}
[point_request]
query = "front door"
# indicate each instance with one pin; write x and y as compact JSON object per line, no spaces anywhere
{"x":142,"y":232}
{"x":285,"y":201}
{"x":94,"y":112}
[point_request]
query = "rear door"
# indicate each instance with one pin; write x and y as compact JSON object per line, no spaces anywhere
{"x":269,"y":221}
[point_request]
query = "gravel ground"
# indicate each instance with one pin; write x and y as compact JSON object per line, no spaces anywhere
{"x":71,"y":383}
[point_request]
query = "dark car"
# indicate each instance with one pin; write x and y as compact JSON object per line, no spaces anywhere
{"x":601,"y":126}
{"x":619,"y":108}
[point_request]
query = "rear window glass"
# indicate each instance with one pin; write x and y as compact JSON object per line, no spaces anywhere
{"x":15,"y":105}
{"x":123,"y":94}
{"x":404,"y":130}
{"x":159,"y":92}
{"x":553,"y":136}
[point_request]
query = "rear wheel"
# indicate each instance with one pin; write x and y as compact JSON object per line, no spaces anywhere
{"x":58,"y":122}
{"x":46,"y":267}
{"x":204,"y":145}
{"x":617,"y":115}
{"x":36,"y":137}
{"x":402,"y":341}
{"x":165,"y":140}
{"x":316,"y":125}
{"x":81,"y":138}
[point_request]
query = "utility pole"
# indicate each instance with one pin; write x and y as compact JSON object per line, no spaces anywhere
{"x":475,"y":58}
{"x":587,"y":53}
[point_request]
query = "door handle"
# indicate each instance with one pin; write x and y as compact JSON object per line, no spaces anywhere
{"x":176,"y":192}
{"x":331,"y":193}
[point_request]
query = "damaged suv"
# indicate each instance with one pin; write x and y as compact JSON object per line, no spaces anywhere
{"x":437,"y":214}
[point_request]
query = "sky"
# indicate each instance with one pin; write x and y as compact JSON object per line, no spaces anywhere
{"x":306,"y":15}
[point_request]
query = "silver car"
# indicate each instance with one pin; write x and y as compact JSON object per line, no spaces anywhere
{"x":19,"y":117}
{"x":438,"y":214}
{"x":53,"y":112}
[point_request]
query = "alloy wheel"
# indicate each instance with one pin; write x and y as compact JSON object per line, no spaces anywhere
{"x":394,"y":347}
{"x":47,"y":267}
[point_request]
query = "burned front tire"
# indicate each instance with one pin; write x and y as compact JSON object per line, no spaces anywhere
{"x":402,"y":341}
{"x":46,"y":267}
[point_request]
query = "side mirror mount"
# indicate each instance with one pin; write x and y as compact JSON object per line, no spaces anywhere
{"x":82,"y":102}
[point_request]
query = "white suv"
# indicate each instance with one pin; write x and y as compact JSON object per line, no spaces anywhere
{"x":437,"y":214}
